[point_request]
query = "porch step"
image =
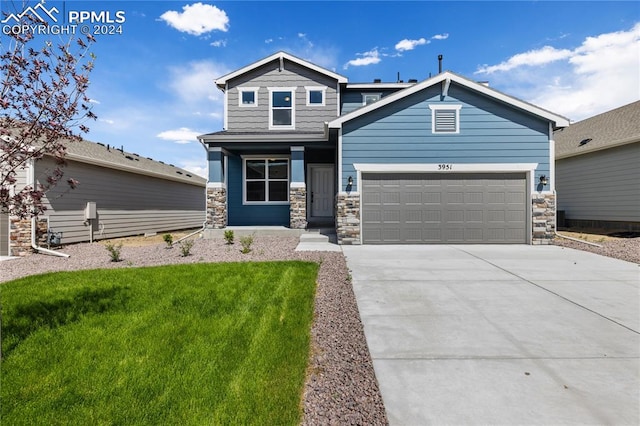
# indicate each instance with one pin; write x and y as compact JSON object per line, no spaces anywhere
{"x":313,"y":237}
{"x":318,"y":240}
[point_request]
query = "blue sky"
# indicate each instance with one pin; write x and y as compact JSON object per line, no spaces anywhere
{"x":153,"y":89}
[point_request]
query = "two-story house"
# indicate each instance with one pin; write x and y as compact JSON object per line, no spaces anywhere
{"x":445,"y":160}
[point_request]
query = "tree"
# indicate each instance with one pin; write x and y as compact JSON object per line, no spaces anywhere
{"x":44,"y":108}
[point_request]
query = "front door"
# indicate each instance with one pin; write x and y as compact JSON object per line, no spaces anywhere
{"x":321,"y":190}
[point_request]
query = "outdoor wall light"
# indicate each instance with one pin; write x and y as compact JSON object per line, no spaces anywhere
{"x":543,"y":180}
{"x":350,"y":181}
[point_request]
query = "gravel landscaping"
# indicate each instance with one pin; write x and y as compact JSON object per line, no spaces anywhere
{"x":341,"y":386}
{"x":619,"y":248}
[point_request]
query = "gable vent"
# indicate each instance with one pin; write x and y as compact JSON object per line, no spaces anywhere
{"x":445,"y":120}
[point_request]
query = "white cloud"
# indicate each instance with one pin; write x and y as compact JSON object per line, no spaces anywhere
{"x":194,"y":81}
{"x":197,"y":166}
{"x":601,"y":74}
{"x":367,"y":58}
{"x":219,"y":43}
{"x":531,"y":58}
{"x":268,"y":41}
{"x":197,"y":19}
{"x":407,"y":44}
{"x":443,"y":36}
{"x":183,"y":135}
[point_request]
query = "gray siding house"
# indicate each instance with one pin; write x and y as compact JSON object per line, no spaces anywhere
{"x":119,"y":194}
{"x":598,"y":170}
{"x":444,"y":160}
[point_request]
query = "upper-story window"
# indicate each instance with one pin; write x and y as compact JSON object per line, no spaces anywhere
{"x":369,"y":98}
{"x":445,"y":118}
{"x":316,"y":95}
{"x":282,"y":108}
{"x":248,"y":96}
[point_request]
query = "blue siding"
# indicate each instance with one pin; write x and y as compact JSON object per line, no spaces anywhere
{"x":246,"y":215}
{"x":490,"y":132}
{"x":352,"y":99}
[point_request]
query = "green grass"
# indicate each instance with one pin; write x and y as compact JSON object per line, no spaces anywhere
{"x":182,"y":344}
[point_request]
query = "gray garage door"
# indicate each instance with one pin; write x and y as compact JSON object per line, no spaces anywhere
{"x":444,"y":208}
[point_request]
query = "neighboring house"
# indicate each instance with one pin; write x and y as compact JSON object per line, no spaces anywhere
{"x":598,"y":170}
{"x":118,"y":194}
{"x":445,"y":160}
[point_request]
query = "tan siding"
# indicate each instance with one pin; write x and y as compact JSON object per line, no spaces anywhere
{"x":293,"y":75}
{"x":127,"y":203}
{"x":604,"y":185}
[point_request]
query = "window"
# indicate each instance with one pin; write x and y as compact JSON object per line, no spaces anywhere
{"x":369,"y":98}
{"x":266,"y":180}
{"x":445,"y":118}
{"x":315,"y":95}
{"x":281,"y":111}
{"x":248,"y":96}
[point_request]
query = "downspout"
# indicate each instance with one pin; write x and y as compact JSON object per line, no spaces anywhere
{"x":42,"y":249}
{"x":204,"y":226}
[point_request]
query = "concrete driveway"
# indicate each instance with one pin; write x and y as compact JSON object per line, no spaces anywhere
{"x":509,"y":334}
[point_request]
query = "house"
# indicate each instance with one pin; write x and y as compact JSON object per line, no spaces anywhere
{"x":444,"y":160}
{"x":119,"y":194}
{"x":598,"y":170}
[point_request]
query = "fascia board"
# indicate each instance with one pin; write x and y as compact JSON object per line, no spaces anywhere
{"x":222,"y":81}
{"x":557,"y":119}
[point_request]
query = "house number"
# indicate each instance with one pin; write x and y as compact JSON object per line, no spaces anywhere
{"x":445,"y":166}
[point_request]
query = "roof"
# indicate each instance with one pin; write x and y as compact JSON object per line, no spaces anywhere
{"x":222,"y":81}
{"x":613,"y":128}
{"x":446,"y":78}
{"x":272,"y":136}
{"x":115,"y":158}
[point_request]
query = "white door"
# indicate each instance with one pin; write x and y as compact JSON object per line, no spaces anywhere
{"x":321,"y":190}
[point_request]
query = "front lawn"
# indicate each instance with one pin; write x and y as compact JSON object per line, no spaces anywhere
{"x":221,"y":343}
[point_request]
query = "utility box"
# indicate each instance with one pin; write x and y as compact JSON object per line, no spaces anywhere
{"x":91,"y":212}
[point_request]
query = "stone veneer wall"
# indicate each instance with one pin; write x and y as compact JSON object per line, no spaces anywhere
{"x":216,"y":208}
{"x":298,"y":208}
{"x":20,"y":236}
{"x":544,"y":218}
{"x":348,"y":218}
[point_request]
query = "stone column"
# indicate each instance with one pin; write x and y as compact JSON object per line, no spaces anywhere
{"x":348,"y":218}
{"x":216,"y":206}
{"x":298,"y":206}
{"x":544,"y":218}
{"x":297,"y":190}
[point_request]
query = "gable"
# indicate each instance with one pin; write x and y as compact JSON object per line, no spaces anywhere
{"x":442,"y":83}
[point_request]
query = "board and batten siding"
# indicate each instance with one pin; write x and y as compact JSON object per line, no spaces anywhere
{"x":400,"y":133}
{"x":127,"y":203}
{"x":602,"y":185}
{"x":256,"y":118}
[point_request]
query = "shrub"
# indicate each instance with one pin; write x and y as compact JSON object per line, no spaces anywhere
{"x":246,"y":242}
{"x":114,"y":251}
{"x":185,"y":247}
{"x":168,"y":238}
{"x":228,"y":236}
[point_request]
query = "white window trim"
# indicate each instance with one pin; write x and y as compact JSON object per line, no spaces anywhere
{"x":293,"y":107}
{"x":437,"y":107}
{"x":248,"y":89}
{"x":322,"y":89}
{"x":364,"y":95}
{"x":244,"y":178}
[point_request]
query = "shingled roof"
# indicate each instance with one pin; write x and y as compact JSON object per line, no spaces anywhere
{"x":617,"y":127}
{"x":117,"y":158}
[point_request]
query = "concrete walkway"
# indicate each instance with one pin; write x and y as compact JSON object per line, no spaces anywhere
{"x":511,"y":334}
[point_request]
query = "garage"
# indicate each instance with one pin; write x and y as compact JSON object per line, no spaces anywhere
{"x":405,"y":208}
